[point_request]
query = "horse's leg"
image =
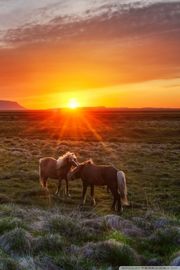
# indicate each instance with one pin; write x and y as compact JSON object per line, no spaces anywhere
{"x":92,"y":195}
{"x":107,"y":189}
{"x":67,"y":188}
{"x":120,"y":208}
{"x":43,"y":182}
{"x":47,"y":193}
{"x":114,"y":198}
{"x":58,"y":187}
{"x":84,"y":193}
{"x":113,"y":207}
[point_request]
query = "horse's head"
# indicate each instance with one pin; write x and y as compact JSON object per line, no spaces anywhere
{"x":76,"y":172}
{"x":68,"y":159}
{"x":72,"y":159}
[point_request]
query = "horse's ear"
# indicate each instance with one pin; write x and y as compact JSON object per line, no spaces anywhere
{"x":90,"y":161}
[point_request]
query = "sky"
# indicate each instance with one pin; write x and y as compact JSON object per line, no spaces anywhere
{"x":114,"y":53}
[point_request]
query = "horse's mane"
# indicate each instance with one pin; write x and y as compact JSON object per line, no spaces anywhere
{"x":62,"y":159}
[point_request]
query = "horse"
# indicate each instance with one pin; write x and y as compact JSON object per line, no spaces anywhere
{"x":102,"y":175}
{"x":56,"y":169}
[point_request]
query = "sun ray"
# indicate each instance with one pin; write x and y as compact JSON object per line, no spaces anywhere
{"x":98,"y":137}
{"x":63,"y":128}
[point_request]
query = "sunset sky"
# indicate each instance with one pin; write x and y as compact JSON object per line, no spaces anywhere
{"x":114,"y":53}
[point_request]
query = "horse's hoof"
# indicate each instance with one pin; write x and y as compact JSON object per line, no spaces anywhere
{"x":57,"y":194}
{"x":93,"y":203}
{"x":81,"y":206}
{"x":82,"y":203}
{"x":120,"y":211}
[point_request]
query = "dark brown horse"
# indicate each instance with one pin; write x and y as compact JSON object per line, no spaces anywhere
{"x":102,"y":175}
{"x":56,"y":169}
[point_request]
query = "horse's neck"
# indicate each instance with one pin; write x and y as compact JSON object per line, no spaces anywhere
{"x":65,"y":168}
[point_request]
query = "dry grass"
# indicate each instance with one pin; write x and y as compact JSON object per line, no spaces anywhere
{"x":152,"y":173}
{"x":144,"y":145}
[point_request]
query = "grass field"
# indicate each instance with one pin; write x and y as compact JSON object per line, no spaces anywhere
{"x":144,"y":144}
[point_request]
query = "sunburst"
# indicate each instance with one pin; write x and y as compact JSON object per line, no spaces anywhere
{"x":73,"y":104}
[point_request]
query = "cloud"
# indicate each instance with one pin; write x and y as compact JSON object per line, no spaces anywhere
{"x":65,"y":20}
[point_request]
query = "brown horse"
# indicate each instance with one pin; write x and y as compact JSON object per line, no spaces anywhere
{"x":102,"y":175}
{"x":56,"y":169}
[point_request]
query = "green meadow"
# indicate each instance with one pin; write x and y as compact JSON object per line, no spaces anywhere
{"x":42,"y":230}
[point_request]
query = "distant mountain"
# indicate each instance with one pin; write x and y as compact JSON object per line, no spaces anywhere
{"x":7,"y":105}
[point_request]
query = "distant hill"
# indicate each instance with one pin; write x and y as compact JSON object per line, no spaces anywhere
{"x":7,"y":105}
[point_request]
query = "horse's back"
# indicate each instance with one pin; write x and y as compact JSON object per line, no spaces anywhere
{"x":48,"y":167}
{"x":47,"y":159}
{"x":99,"y":174}
{"x":108,"y":169}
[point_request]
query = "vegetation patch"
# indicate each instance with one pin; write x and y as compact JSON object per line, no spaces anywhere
{"x":16,"y":242}
{"x":40,"y":230}
{"x":9,"y":223}
{"x":110,"y":252}
{"x":119,"y":236}
{"x":48,"y":243}
{"x":9,"y":264}
{"x":161,"y":244}
{"x":69,"y":228}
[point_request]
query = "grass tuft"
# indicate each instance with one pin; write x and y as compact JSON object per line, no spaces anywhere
{"x":163,"y":242}
{"x":69,"y":228}
{"x":10,"y":223}
{"x":111,"y":252}
{"x":51,"y":243}
{"x":118,"y":236}
{"x":16,"y":242}
{"x":9,"y":264}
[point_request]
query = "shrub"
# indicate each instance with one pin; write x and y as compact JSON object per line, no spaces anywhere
{"x":5,"y":209}
{"x":111,"y":252}
{"x":68,"y":227}
{"x":28,"y":263}
{"x":9,"y":223}
{"x":118,"y":236}
{"x":49,"y":242}
{"x":163,"y":241}
{"x":9,"y":264}
{"x":16,"y":242}
{"x":72,"y":262}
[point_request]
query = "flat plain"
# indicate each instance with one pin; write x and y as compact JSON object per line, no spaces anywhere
{"x":144,"y":144}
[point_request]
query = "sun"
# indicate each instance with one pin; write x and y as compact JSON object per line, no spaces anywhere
{"x":73,"y":104}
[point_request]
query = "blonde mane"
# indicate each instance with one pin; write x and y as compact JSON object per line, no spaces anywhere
{"x":62,"y":159}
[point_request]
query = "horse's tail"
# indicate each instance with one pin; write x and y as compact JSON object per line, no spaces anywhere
{"x":42,"y":180}
{"x":122,"y":188}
